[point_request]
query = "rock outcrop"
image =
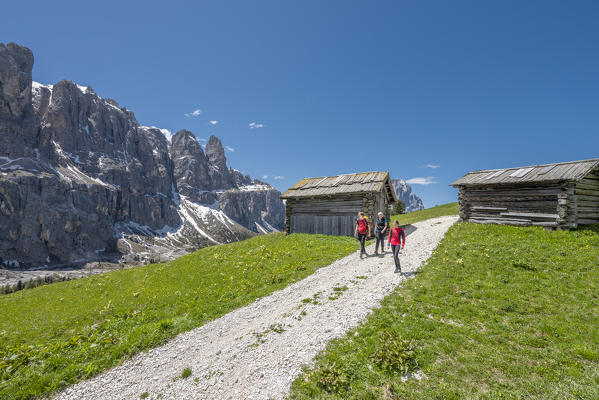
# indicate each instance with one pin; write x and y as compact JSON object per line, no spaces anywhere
{"x":257,"y":207}
{"x":191,"y":168}
{"x":18,"y":130}
{"x":204,"y":178}
{"x":80,"y":179}
{"x":219,"y":173}
{"x":404,"y":193}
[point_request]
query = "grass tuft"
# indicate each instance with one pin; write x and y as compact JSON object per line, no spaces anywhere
{"x":186,"y":373}
{"x":394,"y":354}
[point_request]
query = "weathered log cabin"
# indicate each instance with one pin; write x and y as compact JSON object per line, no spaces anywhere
{"x":329,"y":205}
{"x":562,"y":195}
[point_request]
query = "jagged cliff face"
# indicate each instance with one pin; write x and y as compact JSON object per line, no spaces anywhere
{"x":18,"y":130}
{"x":80,"y":179}
{"x":256,"y":207}
{"x":192,"y":168}
{"x":404,"y":193}
{"x":204,"y":178}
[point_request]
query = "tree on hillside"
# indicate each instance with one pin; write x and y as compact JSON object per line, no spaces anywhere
{"x":399,"y":207}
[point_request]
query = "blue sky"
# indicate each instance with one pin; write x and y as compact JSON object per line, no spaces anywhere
{"x":335,"y":86}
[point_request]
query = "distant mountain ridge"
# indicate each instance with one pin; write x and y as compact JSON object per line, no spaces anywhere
{"x":81,"y":179}
{"x":404,"y":193}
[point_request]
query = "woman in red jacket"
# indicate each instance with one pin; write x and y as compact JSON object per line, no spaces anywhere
{"x":362,"y":231}
{"x":397,"y":239}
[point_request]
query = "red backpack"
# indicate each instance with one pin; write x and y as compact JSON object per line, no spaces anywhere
{"x":362,"y":225}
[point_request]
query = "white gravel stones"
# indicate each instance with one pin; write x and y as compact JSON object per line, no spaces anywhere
{"x":255,"y":352}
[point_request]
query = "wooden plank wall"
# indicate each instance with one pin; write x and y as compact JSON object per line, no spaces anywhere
{"x":511,"y":204}
{"x":335,"y":205}
{"x":337,"y":225}
{"x":334,"y":215}
{"x":586,"y":198}
{"x":381,"y":205}
{"x":372,"y":204}
{"x":330,"y":216}
{"x":562,"y":205}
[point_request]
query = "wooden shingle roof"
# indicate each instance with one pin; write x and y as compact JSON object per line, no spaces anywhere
{"x":565,"y":171}
{"x":366,"y":182}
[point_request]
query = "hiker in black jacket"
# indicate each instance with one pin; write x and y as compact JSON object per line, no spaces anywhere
{"x":379,"y":231}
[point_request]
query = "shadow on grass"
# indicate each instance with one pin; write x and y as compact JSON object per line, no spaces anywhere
{"x":410,"y":274}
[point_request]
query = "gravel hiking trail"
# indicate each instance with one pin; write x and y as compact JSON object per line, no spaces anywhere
{"x":255,"y":352}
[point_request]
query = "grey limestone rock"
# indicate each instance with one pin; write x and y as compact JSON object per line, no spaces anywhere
{"x":191,"y":168}
{"x":219,"y":173}
{"x":205,"y":178}
{"x":80,"y":179}
{"x":259,"y":210}
{"x":404,"y":193}
{"x":18,"y":130}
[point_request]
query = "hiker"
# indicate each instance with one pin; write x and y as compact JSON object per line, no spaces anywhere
{"x":379,"y":231}
{"x":362,"y":231}
{"x":397,"y":239}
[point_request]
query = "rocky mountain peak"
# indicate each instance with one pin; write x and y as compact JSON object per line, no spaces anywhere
{"x":16,"y":64}
{"x":22,"y":55}
{"x":215,"y":152}
{"x":404,"y":193}
{"x":191,"y":168}
{"x":220,"y":174}
{"x":184,"y":142}
{"x":80,"y":179}
{"x":18,"y":131}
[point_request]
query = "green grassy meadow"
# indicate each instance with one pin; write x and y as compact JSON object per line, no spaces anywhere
{"x":58,"y":334}
{"x":498,"y":312}
{"x":427,"y":213}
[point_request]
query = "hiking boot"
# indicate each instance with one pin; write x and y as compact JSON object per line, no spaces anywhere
{"x":397,"y":270}
{"x":376,"y":252}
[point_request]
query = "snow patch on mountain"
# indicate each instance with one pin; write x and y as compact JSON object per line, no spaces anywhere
{"x":80,"y":174}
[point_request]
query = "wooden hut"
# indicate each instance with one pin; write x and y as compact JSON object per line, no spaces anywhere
{"x":562,"y":195}
{"x":329,"y":205}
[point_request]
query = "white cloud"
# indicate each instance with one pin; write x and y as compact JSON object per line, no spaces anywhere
{"x":275,"y":177}
{"x":213,"y":122}
{"x":255,"y":125}
{"x":433,"y":166}
{"x":202,"y":140}
{"x":421,"y":181}
{"x":194,"y":113}
{"x":167,"y":134}
{"x":230,"y":149}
